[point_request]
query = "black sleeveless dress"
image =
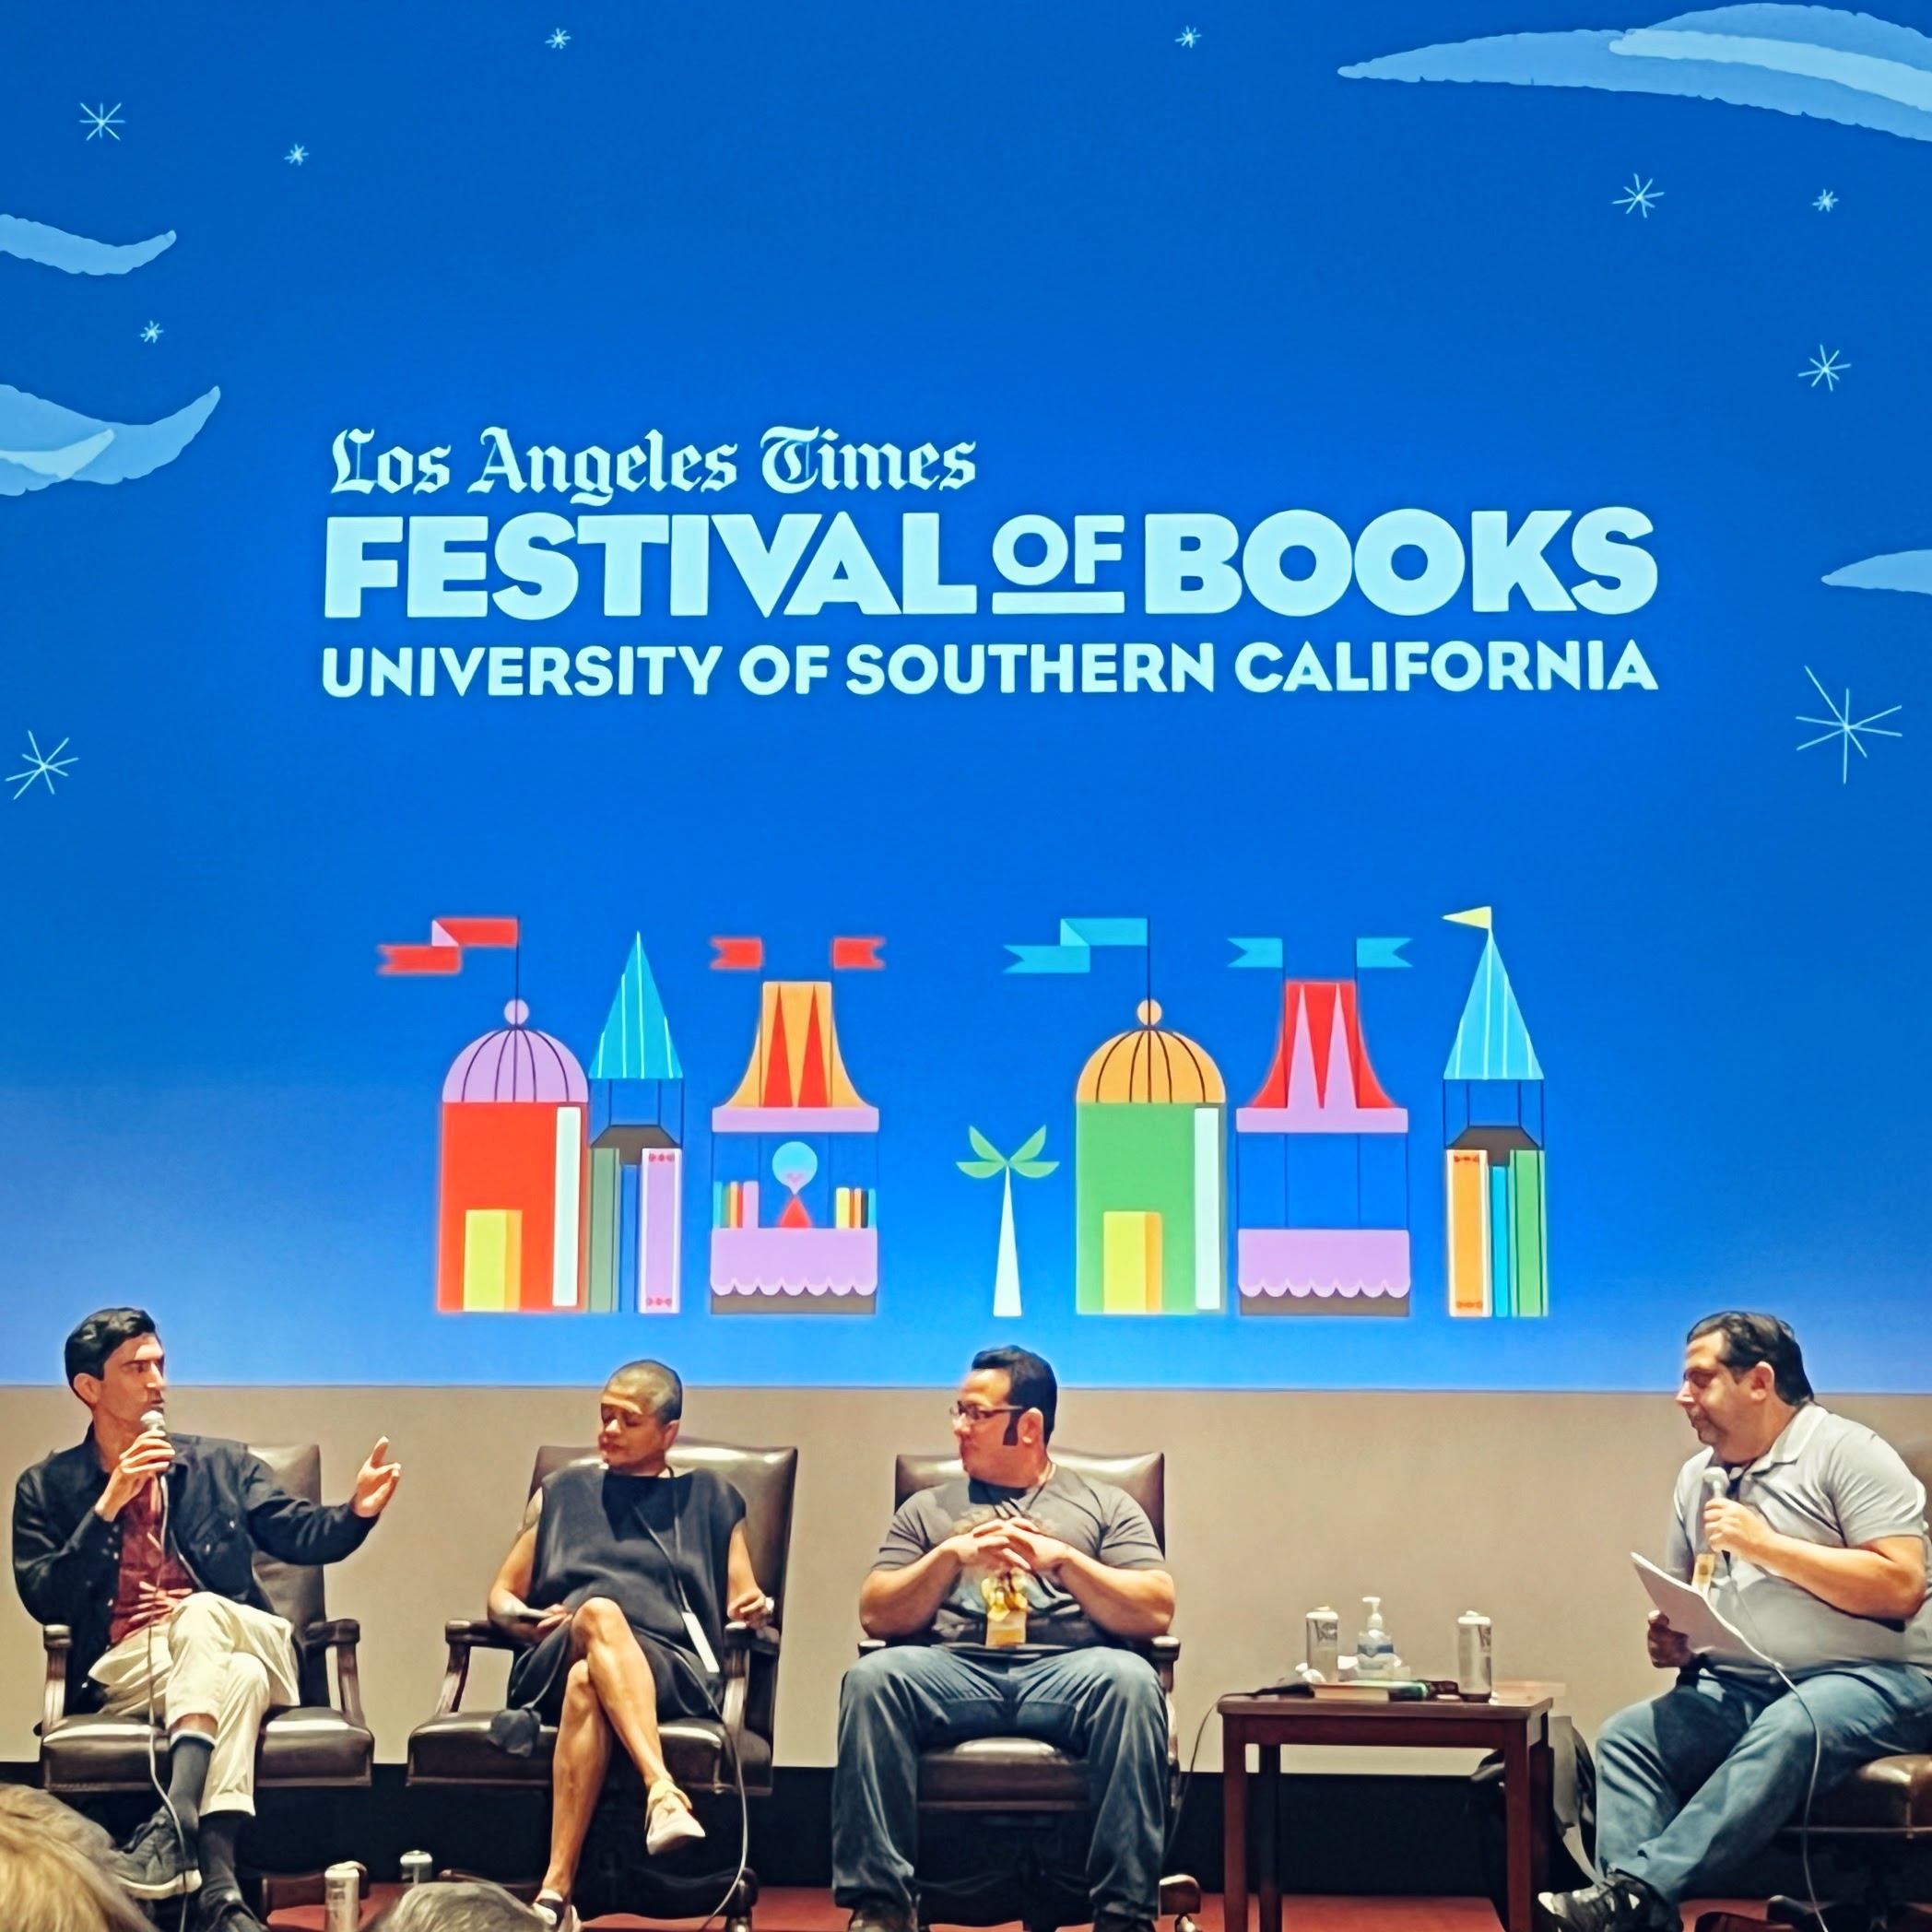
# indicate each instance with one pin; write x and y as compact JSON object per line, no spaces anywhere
{"x":653,"y":1545}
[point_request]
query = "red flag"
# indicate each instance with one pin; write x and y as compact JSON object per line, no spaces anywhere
{"x":856,"y":956}
{"x":443,"y":954}
{"x":476,"y":932}
{"x":737,"y":955}
{"x":421,"y":959}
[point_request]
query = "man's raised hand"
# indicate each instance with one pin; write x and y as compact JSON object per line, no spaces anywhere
{"x":376,"y":1481}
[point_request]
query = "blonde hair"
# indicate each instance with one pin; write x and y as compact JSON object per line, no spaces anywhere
{"x":53,"y":1872}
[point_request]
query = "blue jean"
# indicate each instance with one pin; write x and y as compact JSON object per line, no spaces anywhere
{"x":1698,"y":1780}
{"x":1101,"y":1704}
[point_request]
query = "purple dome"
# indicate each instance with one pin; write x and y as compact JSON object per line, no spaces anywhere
{"x":516,"y":1063}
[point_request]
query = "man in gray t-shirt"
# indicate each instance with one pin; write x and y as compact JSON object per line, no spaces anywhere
{"x":1808,"y":1534}
{"x":1008,"y":1596}
{"x":1096,"y":1519}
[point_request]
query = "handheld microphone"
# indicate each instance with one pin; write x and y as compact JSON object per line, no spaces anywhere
{"x":154,"y":1422}
{"x":1717,"y":1486}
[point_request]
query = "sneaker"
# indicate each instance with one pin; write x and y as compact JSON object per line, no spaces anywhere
{"x":880,"y":1916}
{"x":1615,"y":1904}
{"x":557,"y":1912}
{"x":224,"y":1912}
{"x":156,"y":1864}
{"x":667,"y":1820}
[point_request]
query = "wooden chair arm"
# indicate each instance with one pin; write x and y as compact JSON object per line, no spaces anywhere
{"x":477,"y":1633}
{"x":742,"y":1642}
{"x":341,"y":1635}
{"x":329,"y":1635}
{"x":463,"y":1635}
{"x":1163,"y":1652}
{"x":57,"y":1639}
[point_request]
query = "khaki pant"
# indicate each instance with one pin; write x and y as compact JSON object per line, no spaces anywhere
{"x":210,"y":1658}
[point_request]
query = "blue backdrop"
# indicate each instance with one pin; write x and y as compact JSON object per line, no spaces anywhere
{"x":1117,"y":261}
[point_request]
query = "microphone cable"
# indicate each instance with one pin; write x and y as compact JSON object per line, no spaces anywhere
{"x":1818,"y":1748}
{"x":1818,"y":1741}
{"x":1172,"y":1837}
{"x":737,"y":1772}
{"x":154,"y":1774}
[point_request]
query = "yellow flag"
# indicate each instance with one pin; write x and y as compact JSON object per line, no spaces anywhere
{"x":1476,"y":915}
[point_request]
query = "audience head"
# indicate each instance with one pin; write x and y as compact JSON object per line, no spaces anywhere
{"x":639,"y":1414}
{"x":56,"y":1869}
{"x":1744,"y":1377}
{"x":1003,"y":1419}
{"x":114,"y":1363}
{"x":458,"y":1905}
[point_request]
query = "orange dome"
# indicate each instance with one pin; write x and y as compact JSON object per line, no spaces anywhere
{"x":1148,"y":1065}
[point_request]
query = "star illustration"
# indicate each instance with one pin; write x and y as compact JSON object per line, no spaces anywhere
{"x":1188,"y":36}
{"x":296,"y":155}
{"x":152,"y":332}
{"x":558,"y":41}
{"x":101,"y":120}
{"x":1843,"y":729}
{"x":47,"y":765}
{"x":1826,"y":202}
{"x":1638,"y":198}
{"x":1824,"y":368}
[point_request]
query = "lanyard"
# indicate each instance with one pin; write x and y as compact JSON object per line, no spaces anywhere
{"x":1007,"y":1506}
{"x":693,"y":1624}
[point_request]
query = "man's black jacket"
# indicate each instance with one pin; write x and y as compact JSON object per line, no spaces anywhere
{"x":223,"y":1505}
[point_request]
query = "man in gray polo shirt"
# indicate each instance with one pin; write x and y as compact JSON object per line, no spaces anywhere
{"x":1010,"y":1591}
{"x":1817,"y":1532}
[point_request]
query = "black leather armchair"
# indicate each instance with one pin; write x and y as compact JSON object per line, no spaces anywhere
{"x":453,"y":1749}
{"x":1876,"y":1823}
{"x":321,"y":1744}
{"x":1040,"y":1790}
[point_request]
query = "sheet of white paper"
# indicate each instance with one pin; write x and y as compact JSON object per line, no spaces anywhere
{"x":1689,"y":1611}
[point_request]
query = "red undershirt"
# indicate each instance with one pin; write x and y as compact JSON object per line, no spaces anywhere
{"x":152,"y":1579}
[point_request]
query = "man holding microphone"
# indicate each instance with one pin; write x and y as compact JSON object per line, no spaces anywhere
{"x":144,"y":1545}
{"x":1811,"y":1532}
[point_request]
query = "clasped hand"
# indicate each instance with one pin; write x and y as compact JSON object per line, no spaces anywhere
{"x":1011,"y":1543}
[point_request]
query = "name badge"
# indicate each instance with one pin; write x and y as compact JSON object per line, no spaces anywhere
{"x":1006,"y":1600}
{"x":1005,"y":1631}
{"x":702,"y":1643}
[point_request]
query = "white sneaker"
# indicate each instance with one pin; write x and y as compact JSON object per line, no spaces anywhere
{"x":668,"y":1822}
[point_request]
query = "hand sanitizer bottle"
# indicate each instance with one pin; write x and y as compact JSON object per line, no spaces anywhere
{"x":1375,"y":1648}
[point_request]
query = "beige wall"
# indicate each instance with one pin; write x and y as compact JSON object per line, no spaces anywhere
{"x":1522,"y":1506}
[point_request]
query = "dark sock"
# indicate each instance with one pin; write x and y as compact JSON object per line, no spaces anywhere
{"x":188,"y":1755}
{"x":218,"y":1831}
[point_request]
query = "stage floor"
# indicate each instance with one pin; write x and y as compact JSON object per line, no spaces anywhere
{"x":793,"y":1909}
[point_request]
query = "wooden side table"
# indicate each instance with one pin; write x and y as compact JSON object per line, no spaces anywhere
{"x":1515,"y":1722}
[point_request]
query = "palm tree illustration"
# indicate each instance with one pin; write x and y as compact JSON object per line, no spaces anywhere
{"x":1024,"y":1161}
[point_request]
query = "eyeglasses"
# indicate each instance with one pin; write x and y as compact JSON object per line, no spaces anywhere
{"x":973,"y":1415}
